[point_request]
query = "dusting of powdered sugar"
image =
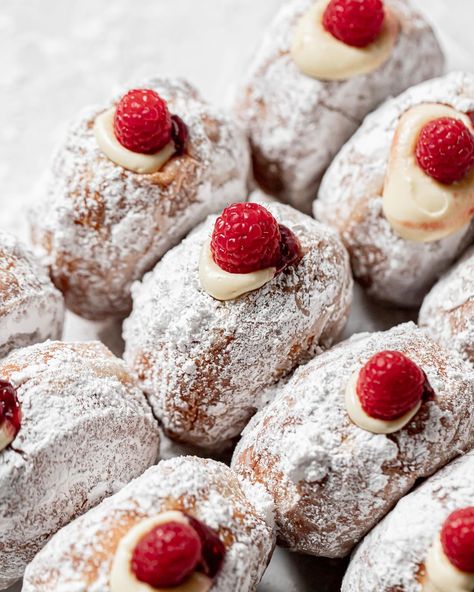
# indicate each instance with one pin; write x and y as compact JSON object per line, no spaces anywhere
{"x":447,"y":313}
{"x":31,"y":308}
{"x":86,"y":431}
{"x":80,"y":556}
{"x":350,"y":199}
{"x":331,"y":480}
{"x":99,"y":227}
{"x":206,"y":365}
{"x":296,"y":124}
{"x":392,"y":556}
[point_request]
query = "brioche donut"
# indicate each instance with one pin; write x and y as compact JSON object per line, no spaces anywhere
{"x":85,"y":431}
{"x":85,"y":554}
{"x":393,"y":556}
{"x":392,"y":268}
{"x":333,"y":479}
{"x":447,"y":313}
{"x":100,"y":226}
{"x":205,"y":364}
{"x":31,"y":309}
{"x":296,"y":123}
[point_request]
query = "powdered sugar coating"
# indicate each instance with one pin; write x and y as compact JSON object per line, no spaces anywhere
{"x":391,"y":557}
{"x":296,"y":124}
{"x":332,"y":481}
{"x":31,"y":309}
{"x":100,"y":227}
{"x":350,"y":199}
{"x":447,"y":313}
{"x":80,"y":556}
{"x":86,"y":431}
{"x":206,"y":364}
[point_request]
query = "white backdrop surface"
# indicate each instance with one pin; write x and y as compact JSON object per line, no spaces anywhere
{"x":59,"y":55}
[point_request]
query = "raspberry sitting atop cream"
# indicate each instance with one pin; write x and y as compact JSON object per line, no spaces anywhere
{"x":247,"y":249}
{"x":326,"y":46}
{"x":140,"y":134}
{"x":418,"y":206}
{"x":386,"y":393}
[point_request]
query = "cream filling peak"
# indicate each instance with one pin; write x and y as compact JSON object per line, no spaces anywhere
{"x":113,"y":149}
{"x":442,"y":575}
{"x":223,"y":285}
{"x":319,"y":54}
{"x":7,"y":435}
{"x":418,"y":207}
{"x":121,"y":577}
{"x":365,"y":421}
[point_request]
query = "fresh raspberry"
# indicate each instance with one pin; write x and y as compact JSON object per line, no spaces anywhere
{"x":445,"y":149}
{"x":246,"y":238}
{"x":213,"y":549}
{"x":10,"y":411}
{"x":457,"y":539}
{"x":167,"y":555}
{"x":390,"y":385}
{"x":142,"y":122}
{"x":354,"y":22}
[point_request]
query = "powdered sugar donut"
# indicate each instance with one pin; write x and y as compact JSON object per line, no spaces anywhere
{"x":85,"y":554}
{"x":447,"y":313}
{"x":31,"y":309}
{"x":351,"y":198}
{"x":393,"y":556}
{"x":333,"y":480}
{"x":296,"y":123}
{"x":204,"y":363}
{"x":100,"y":226}
{"x":83,"y":429}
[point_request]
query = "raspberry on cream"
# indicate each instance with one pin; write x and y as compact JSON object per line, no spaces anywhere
{"x":319,"y":49}
{"x":247,"y":249}
{"x":10,"y":414}
{"x":386,"y":393}
{"x":419,"y":207}
{"x":140,"y":134}
{"x":170,"y":551}
{"x":449,"y":564}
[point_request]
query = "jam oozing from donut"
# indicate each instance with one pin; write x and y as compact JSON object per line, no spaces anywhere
{"x":167,"y":555}
{"x":247,"y":238}
{"x":213,"y":549}
{"x":354,"y":22}
{"x":10,"y":413}
{"x":457,"y":539}
{"x":445,"y":150}
{"x":180,"y":134}
{"x":390,"y":385}
{"x":171,"y":552}
{"x":143,"y":123}
{"x":290,"y":249}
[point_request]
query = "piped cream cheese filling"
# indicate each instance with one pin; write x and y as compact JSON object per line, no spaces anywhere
{"x":320,"y":55}
{"x":442,"y":575}
{"x":418,"y":207}
{"x":132,"y":161}
{"x":122,"y":578}
{"x":365,"y":421}
{"x":223,"y":285}
{"x":7,"y":435}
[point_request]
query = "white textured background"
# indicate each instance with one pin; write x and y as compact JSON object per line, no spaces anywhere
{"x":58,"y":55}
